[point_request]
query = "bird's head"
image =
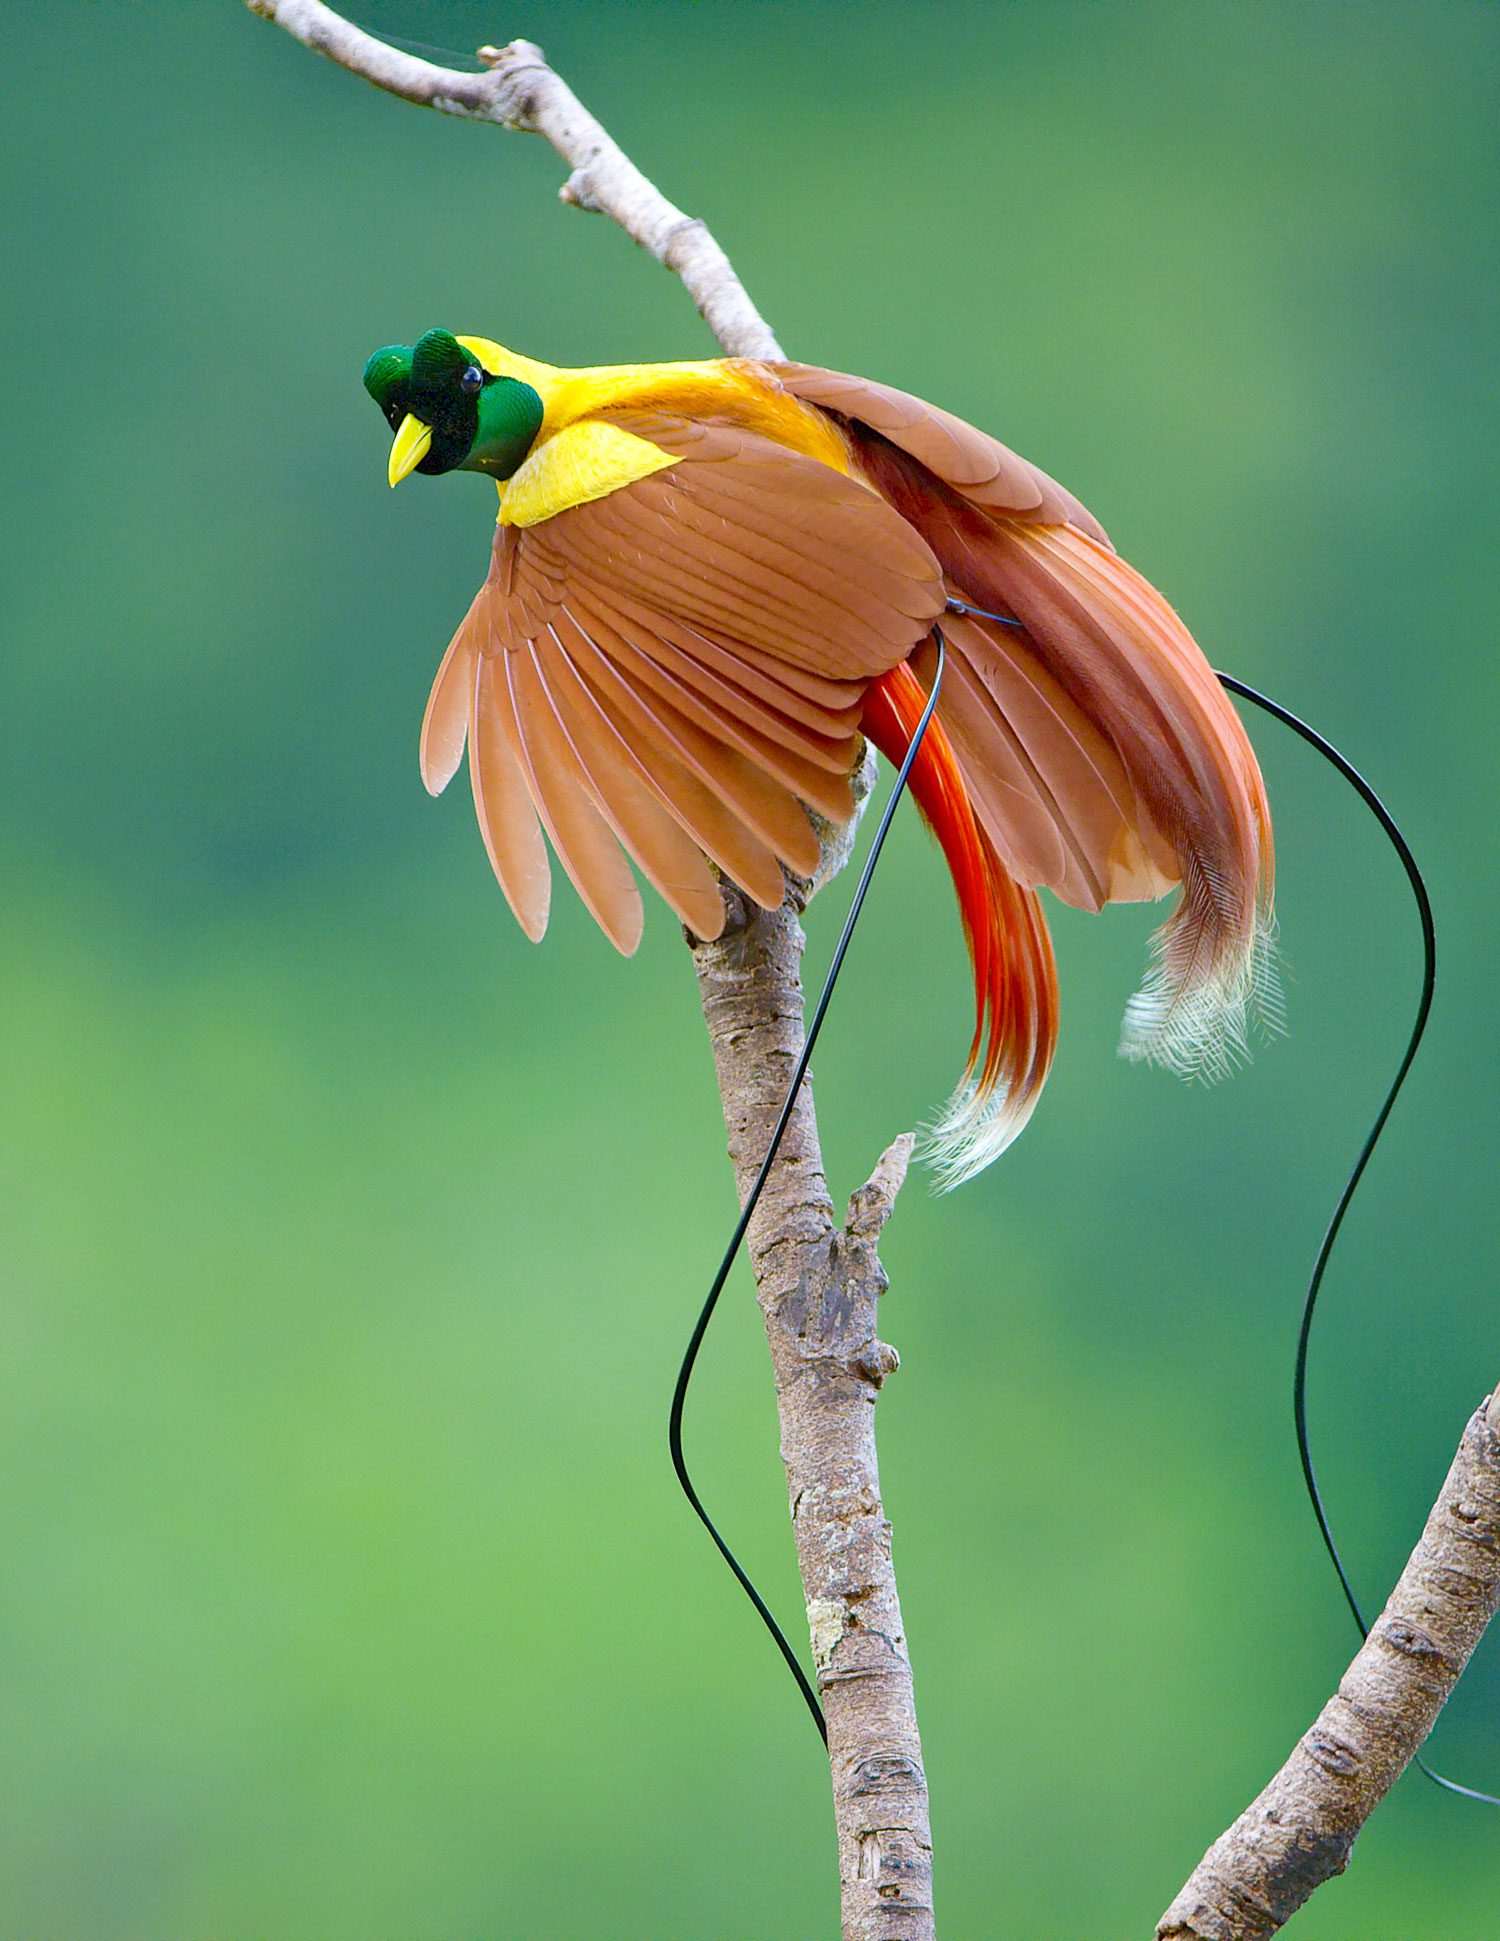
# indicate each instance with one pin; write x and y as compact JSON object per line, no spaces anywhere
{"x":448,"y":412}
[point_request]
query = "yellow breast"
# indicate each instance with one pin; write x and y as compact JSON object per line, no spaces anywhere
{"x":579,"y":462}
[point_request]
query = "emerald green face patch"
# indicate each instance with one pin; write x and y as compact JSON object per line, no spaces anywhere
{"x":479,"y":423}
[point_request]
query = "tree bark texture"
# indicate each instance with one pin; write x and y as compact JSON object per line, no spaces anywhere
{"x":1299,"y":1831}
{"x":818,"y":1287}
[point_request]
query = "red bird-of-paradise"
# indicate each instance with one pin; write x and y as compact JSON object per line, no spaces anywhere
{"x":709,"y":580}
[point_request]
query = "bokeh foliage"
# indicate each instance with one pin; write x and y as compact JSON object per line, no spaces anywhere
{"x":349,"y":1242}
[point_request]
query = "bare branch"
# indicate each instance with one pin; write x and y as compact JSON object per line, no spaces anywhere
{"x":1300,"y":1830}
{"x":818,"y":1287}
{"x":520,"y":92}
{"x":818,"y":1290}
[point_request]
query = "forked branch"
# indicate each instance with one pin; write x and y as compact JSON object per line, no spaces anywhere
{"x":818,"y":1286}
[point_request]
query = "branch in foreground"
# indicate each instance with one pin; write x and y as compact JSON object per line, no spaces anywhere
{"x":520,"y":92}
{"x":1300,"y":1830}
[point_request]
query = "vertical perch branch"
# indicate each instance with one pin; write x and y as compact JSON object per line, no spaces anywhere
{"x":817,"y":1286}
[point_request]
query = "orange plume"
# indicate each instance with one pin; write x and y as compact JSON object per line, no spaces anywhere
{"x":1015,"y":978}
{"x":706,"y":578}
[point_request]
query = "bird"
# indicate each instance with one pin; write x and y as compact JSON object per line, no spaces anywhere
{"x":712,"y":581}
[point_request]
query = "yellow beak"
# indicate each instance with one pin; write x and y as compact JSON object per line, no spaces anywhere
{"x":408,"y":448}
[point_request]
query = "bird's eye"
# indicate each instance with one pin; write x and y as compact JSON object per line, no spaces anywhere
{"x":472,"y":379}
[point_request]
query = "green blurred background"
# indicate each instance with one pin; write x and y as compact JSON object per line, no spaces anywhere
{"x":349,"y":1243}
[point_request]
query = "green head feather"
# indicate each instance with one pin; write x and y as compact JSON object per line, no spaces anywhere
{"x":479,"y":422}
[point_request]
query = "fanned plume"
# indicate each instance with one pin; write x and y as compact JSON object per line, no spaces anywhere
{"x":1213,"y":971}
{"x":1103,"y":756}
{"x":671,"y":665}
{"x":1015,"y":979}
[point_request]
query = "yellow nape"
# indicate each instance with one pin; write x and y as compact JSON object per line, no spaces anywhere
{"x":579,"y":463}
{"x":715,"y":388}
{"x":500,"y":362}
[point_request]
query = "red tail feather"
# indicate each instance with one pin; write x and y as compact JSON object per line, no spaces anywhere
{"x":1015,"y":979}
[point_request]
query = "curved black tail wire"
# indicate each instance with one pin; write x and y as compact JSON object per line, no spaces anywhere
{"x":689,"y":1360}
{"x":1423,"y":902}
{"x":1409,"y":863}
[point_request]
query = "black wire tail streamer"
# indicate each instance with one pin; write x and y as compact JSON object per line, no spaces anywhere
{"x":1325,"y":1250}
{"x":1423,"y":901}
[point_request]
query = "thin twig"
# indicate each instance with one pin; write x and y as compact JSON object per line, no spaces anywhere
{"x":1299,"y":1831}
{"x":520,"y":92}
